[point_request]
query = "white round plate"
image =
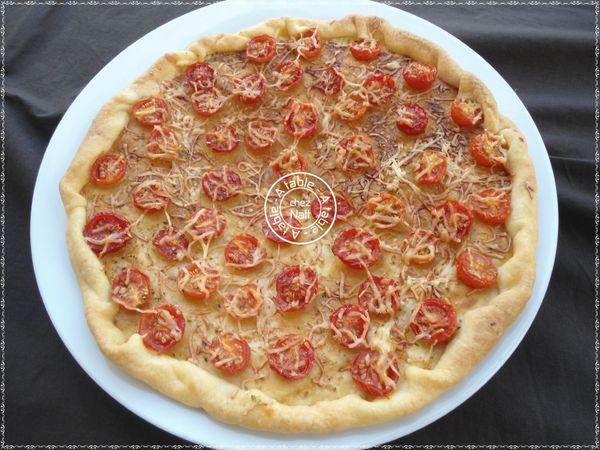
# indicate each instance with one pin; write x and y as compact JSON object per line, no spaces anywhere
{"x":59,"y":287}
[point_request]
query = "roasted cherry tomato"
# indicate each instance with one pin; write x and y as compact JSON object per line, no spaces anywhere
{"x":475,"y":270}
{"x":379,"y":295}
{"x":171,"y":243}
{"x":200,"y":76}
{"x":163,"y":144}
{"x":151,"y":196}
{"x":385,"y":210}
{"x":261,"y":49}
{"x":292,"y":357}
{"x":491,"y":205}
{"x":206,"y":224}
{"x":222,"y":138}
{"x":329,"y":81}
{"x":355,"y":154}
{"x":452,"y":221}
{"x":296,"y":287}
{"x":324,"y":209}
{"x":419,"y":247}
{"x":250,"y":89}
{"x":108,"y":169}
{"x":289,"y":161}
{"x":244,"y":252}
{"x":131,"y":289}
{"x":435,"y":321}
{"x":151,"y":111}
{"x":106,"y":232}
{"x":380,"y":88}
{"x":308,"y":44}
{"x":349,"y":326}
{"x":287,"y":75}
{"x":357,"y":248}
{"x":301,"y":120}
{"x":430,"y":167}
{"x":198,"y":280}
{"x":162,"y":327}
{"x":221,"y":184}
{"x":352,"y":106}
{"x":365,"y":49}
{"x":260,"y":134}
{"x":245,"y":303}
{"x":488,"y":149}
{"x":412,"y":118}
{"x":368,"y":378}
{"x":288,"y":228}
{"x":466,"y":113}
{"x":230,"y":353}
{"x":207,"y":103}
{"x":419,"y":76}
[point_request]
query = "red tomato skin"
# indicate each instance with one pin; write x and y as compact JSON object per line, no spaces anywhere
{"x":419,"y":76}
{"x":104,"y":218}
{"x":137,"y":278}
{"x":301,"y":166}
{"x":171,"y":250}
{"x":332,"y":85}
{"x":359,"y":111}
{"x":365,"y":295}
{"x":162,"y":196}
{"x":441,"y":334}
{"x":308,"y":355}
{"x":493,"y":217}
{"x":313,"y":51}
{"x":351,"y":165}
{"x":298,"y":72}
{"x":262,"y":124}
{"x":234,"y":182}
{"x":477,"y":151}
{"x":98,"y":166}
{"x":336,"y":319}
{"x":351,"y":234}
{"x":237,"y":257}
{"x":420,"y":120}
{"x":201,"y":108}
{"x":285,"y":288}
{"x":191,"y":292}
{"x":264,"y":40}
{"x":147,"y":321}
{"x":213,"y":230}
{"x":366,"y":386}
{"x":438,"y":173}
{"x":200,"y":76}
{"x":462,"y":118}
{"x":344,"y":208}
{"x":469,"y":275}
{"x":462,"y":209}
{"x":365,"y":55}
{"x":309,"y":112}
{"x":386,"y":82}
{"x":213,"y":143}
{"x":274,"y":237}
{"x":155,"y":118}
{"x":231,"y":368}
{"x":251,"y":100}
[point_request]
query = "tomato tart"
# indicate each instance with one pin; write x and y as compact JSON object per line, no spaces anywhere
{"x":188,"y":285}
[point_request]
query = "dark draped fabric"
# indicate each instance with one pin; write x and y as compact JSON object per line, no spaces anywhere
{"x":544,"y":394}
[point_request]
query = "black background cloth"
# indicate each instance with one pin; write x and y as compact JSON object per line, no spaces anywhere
{"x":544,"y":394}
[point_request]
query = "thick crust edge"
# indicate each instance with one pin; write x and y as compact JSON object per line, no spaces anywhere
{"x":480,"y":329}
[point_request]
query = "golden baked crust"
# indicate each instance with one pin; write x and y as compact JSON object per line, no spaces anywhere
{"x":184,"y":381}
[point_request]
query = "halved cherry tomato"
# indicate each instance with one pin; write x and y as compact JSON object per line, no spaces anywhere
{"x":206,"y":224}
{"x":385,"y":210}
{"x":230,"y":353}
{"x":260,"y":134}
{"x":452,"y":221}
{"x":301,"y":119}
{"x":208,"y":102}
{"x":349,"y":326}
{"x":106,"y":232}
{"x":491,"y":205}
{"x":162,"y":327}
{"x":171,"y":243}
{"x":355,"y":154}
{"x":245,"y":303}
{"x":292,"y":357}
{"x":287,"y":75}
{"x":488,"y":149}
{"x":365,"y":49}
{"x":308,"y":44}
{"x":163,"y":144}
{"x":288,"y":228}
{"x":379,"y":295}
{"x":352,"y":106}
{"x":261,"y":49}
{"x":289,"y":161}
{"x":324,"y":209}
{"x":198,"y":280}
{"x":221,"y":184}
{"x":244,"y":252}
{"x":475,"y":270}
{"x":430,"y":167}
{"x":466,"y":113}
{"x":296,"y":286}
{"x":222,"y":138}
{"x":419,"y":247}
{"x":200,"y":76}
{"x":357,"y":248}
{"x":250,"y":89}
{"x":150,"y":111}
{"x":368,"y":379}
{"x":131,"y":289}
{"x":419,"y":76}
{"x":329,"y":81}
{"x":108,"y":169}
{"x":380,"y":88}
{"x":151,"y":196}
{"x":435,"y":321}
{"x":412,"y":118}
